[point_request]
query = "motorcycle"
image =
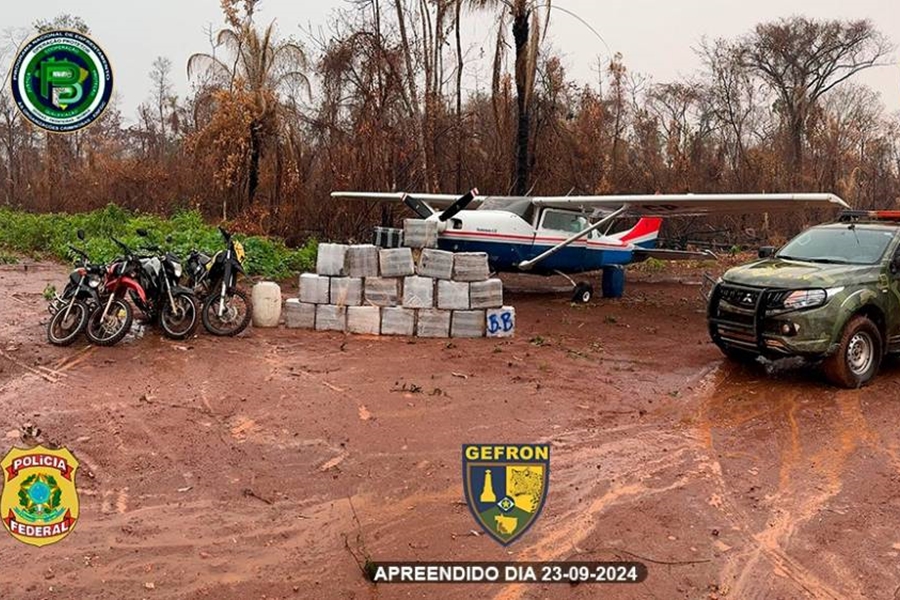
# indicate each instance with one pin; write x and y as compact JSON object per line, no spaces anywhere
{"x":226,"y":309}
{"x":111,"y":319}
{"x":71,"y":310}
{"x":174,"y":306}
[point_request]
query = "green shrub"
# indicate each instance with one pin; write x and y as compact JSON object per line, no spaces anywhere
{"x":49,"y":235}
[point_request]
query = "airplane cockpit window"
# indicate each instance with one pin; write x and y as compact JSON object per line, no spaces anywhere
{"x":564,"y":221}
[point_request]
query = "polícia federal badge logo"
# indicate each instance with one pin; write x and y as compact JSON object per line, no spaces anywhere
{"x":39,"y":504}
{"x":506,"y":486}
{"x":62,"y":81}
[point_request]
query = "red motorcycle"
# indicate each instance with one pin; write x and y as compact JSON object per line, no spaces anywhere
{"x":111,"y":320}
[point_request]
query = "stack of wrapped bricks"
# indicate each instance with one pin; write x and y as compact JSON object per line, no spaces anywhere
{"x":414,"y":290}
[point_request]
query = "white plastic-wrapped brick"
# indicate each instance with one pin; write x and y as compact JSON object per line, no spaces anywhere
{"x":485,"y":294}
{"x":362,"y":261}
{"x":397,"y":262}
{"x":468,"y":324}
{"x":419,"y":233}
{"x":501,"y":322}
{"x":418,"y":292}
{"x":346,"y":291}
{"x":266,"y":300}
{"x":437,"y":264}
{"x":299,"y":315}
{"x":433,"y":324}
{"x":380,"y":291}
{"x":470,"y":266}
{"x":314,"y":289}
{"x":331,"y":260}
{"x":331,"y":318}
{"x":364,"y":320}
{"x":398,"y":321}
{"x":453,"y":295}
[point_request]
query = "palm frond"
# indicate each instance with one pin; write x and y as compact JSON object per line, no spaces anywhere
{"x":207,"y":64}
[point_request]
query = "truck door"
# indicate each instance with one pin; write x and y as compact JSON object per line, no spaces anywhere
{"x":893,"y":304}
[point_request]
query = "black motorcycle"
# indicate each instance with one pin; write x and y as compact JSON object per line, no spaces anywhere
{"x":165,"y":300}
{"x":226,"y":309}
{"x":82,"y":294}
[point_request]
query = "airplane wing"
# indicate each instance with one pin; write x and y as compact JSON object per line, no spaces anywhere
{"x":661,"y":205}
{"x":434,"y":200}
{"x":656,"y":205}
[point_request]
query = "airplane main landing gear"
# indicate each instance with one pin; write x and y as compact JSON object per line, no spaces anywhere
{"x":583,"y":293}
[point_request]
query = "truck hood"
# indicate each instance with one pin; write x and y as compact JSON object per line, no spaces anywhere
{"x":793,"y":274}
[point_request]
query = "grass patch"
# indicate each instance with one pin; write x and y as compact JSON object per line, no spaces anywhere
{"x":7,"y":258}
{"x":48,"y":235}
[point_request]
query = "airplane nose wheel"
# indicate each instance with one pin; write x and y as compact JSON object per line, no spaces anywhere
{"x":583,"y":293}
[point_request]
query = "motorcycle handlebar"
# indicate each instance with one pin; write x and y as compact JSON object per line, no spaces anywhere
{"x":122,"y":246}
{"x":81,"y":253}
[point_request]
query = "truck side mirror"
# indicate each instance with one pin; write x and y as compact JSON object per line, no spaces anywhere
{"x":767,"y":251}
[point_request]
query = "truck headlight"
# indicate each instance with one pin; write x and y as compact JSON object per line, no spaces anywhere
{"x":805,"y":299}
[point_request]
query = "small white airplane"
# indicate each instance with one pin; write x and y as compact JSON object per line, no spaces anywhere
{"x":566,"y":235}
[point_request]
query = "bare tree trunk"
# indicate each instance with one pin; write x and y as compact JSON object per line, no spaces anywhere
{"x":411,"y":84}
{"x":253,"y":170}
{"x":459,"y":78}
{"x":520,"y":34}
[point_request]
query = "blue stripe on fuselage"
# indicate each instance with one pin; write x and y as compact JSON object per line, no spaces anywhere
{"x":505,"y":256}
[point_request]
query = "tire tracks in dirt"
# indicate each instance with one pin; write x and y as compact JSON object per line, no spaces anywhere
{"x":807,"y":481}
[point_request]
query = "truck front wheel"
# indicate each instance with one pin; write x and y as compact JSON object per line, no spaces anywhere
{"x":859,"y":354}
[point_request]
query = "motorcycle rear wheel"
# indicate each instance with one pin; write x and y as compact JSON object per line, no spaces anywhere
{"x":233,"y":321}
{"x":63,"y":330}
{"x":109,"y":331}
{"x":182,"y":323}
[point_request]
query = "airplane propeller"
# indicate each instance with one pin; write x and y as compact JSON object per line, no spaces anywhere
{"x":424,"y":211}
{"x":458,"y":206}
{"x":417,"y":206}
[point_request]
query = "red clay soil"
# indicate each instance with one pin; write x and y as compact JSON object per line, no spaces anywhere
{"x":270,"y":465}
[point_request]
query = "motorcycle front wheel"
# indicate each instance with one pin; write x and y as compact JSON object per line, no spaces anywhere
{"x":228,"y":318}
{"x":179,"y":321}
{"x":66,"y":324}
{"x":109,"y":331}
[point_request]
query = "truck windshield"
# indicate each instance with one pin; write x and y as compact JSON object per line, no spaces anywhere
{"x":851,"y":245}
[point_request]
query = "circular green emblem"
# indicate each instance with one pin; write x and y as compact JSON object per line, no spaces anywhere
{"x":62,"y":81}
{"x":39,"y":499}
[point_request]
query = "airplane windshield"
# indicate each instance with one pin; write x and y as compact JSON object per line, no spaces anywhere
{"x":516,"y":206}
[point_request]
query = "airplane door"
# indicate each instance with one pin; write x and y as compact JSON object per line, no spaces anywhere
{"x":555,"y":227}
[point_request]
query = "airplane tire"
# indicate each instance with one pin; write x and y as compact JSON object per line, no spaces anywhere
{"x":583,"y":293}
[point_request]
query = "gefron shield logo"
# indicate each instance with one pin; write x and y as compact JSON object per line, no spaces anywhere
{"x":39,"y":504}
{"x":506,"y":486}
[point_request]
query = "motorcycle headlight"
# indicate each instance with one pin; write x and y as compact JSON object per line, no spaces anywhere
{"x":94,"y":282}
{"x":178,"y":270}
{"x":805,"y":299}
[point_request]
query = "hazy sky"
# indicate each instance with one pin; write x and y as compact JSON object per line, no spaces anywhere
{"x":655,"y":37}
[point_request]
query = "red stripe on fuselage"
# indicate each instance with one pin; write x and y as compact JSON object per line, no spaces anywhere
{"x":525,"y":238}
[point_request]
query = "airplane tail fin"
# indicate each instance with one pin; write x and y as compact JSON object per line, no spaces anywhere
{"x":644,"y":234}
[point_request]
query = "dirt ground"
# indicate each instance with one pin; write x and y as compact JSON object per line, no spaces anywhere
{"x":267,"y":466}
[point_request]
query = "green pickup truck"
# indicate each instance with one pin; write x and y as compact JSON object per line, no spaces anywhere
{"x":832,"y":294}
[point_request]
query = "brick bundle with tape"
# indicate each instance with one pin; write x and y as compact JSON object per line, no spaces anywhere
{"x":416,"y":290}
